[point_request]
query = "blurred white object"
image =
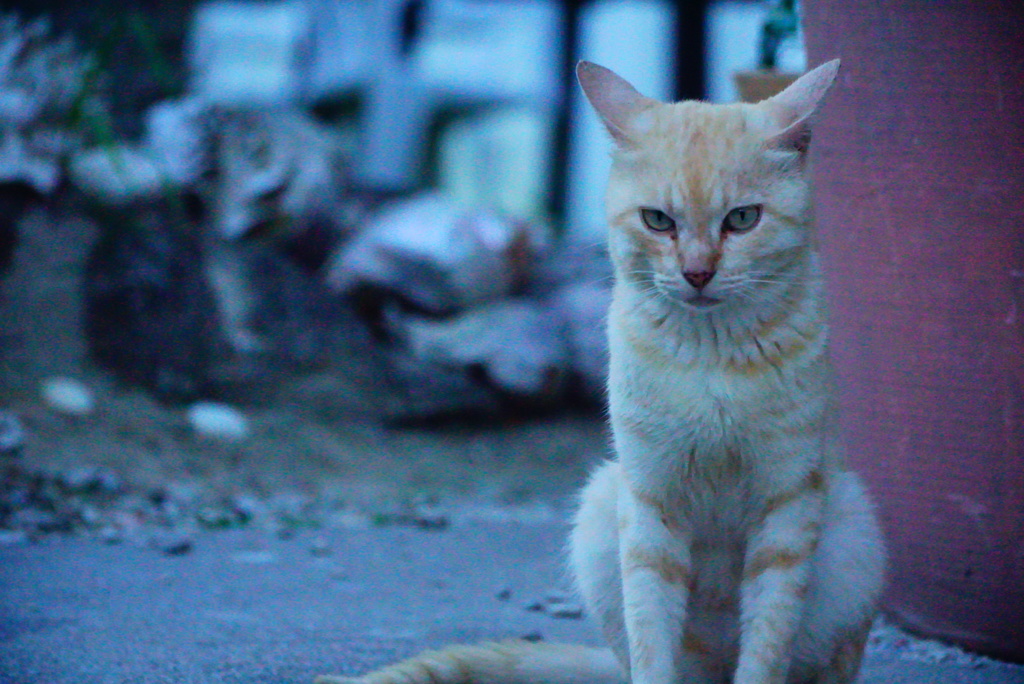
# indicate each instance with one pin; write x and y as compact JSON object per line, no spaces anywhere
{"x":635,"y":39}
{"x":245,"y":53}
{"x":491,"y":51}
{"x":438,"y":254}
{"x":68,"y":396}
{"x":218,"y":421}
{"x":115,"y":174}
{"x":499,"y":159}
{"x":177,"y":139}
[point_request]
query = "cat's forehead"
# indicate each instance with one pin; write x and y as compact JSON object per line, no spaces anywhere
{"x":699,"y":129}
{"x":692,"y":154}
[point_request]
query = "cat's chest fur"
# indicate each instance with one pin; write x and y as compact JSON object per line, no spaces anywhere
{"x":711,"y":443}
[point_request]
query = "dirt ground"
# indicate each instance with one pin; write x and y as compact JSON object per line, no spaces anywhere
{"x":315,"y":440}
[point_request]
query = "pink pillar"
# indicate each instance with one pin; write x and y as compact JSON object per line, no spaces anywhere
{"x":919,"y":172}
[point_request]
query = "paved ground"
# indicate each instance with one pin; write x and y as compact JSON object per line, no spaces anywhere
{"x":248,"y":606}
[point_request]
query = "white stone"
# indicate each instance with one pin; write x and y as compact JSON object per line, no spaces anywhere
{"x":219,"y":421}
{"x":67,"y":395}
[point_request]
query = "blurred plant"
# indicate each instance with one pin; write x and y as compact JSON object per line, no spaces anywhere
{"x":124,"y":36}
{"x":780,"y":24}
{"x":109,"y":169}
{"x":44,"y":92}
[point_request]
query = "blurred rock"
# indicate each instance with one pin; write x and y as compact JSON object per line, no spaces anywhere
{"x":513,"y":348}
{"x":171,"y":542}
{"x":150,"y":316}
{"x":277,"y":170}
{"x":13,"y":538}
{"x":583,"y":308}
{"x":42,"y":79}
{"x":15,"y":197}
{"x":68,"y":396}
{"x":438,"y":257}
{"x":91,"y":478}
{"x":12,"y":433}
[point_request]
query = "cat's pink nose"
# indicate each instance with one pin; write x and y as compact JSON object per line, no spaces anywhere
{"x":699,"y":279}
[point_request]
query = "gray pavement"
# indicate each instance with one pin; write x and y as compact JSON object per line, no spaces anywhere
{"x":247,"y":606}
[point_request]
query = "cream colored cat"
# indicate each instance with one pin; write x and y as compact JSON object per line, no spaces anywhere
{"x":726,"y":543}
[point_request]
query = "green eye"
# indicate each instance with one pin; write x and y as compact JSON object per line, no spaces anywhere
{"x":742,"y":219}
{"x":657,"y":220}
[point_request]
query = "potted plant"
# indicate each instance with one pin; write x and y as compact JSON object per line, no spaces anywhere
{"x":780,"y":27}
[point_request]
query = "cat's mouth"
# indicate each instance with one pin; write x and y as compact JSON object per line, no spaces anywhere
{"x":702,"y":301}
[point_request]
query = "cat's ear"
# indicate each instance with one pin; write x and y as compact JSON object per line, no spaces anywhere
{"x":793,"y":108}
{"x":615,"y":100}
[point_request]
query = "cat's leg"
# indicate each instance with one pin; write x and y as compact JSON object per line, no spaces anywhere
{"x":843,"y":595}
{"x":654,"y":648}
{"x":594,"y":547}
{"x":846,"y":658}
{"x":777,"y":569}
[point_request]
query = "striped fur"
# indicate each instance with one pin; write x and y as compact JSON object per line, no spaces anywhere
{"x":726,"y":542}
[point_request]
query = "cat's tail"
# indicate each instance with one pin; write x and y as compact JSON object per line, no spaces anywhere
{"x":501,"y":662}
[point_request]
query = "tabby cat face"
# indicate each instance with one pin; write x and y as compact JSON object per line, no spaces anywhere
{"x":708,"y":205}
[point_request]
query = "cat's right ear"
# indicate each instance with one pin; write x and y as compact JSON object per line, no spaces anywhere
{"x":795,"y":106}
{"x":615,"y":100}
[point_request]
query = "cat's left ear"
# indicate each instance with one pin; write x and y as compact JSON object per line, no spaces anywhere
{"x":793,"y":108}
{"x":615,"y":100}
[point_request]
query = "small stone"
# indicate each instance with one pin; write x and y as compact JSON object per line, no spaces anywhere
{"x":185,"y":493}
{"x":38,"y":520}
{"x":89,"y":515}
{"x":218,"y":421}
{"x":214,"y":518}
{"x":320,"y":547}
{"x":91,"y":478}
{"x":13,"y":537}
{"x":110,"y":534}
{"x":532,"y":637}
{"x":247,"y":507}
{"x":535,"y":606}
{"x":564,"y":610}
{"x":431,"y":522}
{"x":173,"y":544}
{"x":351,"y":520}
{"x":68,"y":396}
{"x":504,"y":594}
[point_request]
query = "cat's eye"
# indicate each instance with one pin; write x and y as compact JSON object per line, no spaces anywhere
{"x":742,"y":219}
{"x":657,"y":220}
